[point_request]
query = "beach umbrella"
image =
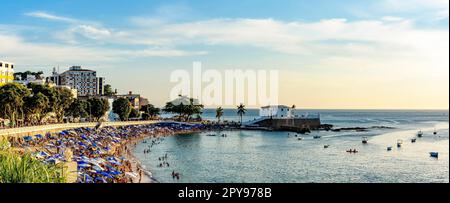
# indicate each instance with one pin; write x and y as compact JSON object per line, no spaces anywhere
{"x":28,"y":138}
{"x":115,"y":163}
{"x":98,"y":168}
{"x":99,"y":179}
{"x":87,"y":179}
{"x":115,"y":173}
{"x":82,"y":162}
{"x":105,"y":174}
{"x":81,"y":166}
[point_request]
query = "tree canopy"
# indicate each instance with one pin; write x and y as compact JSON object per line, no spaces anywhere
{"x":151,"y":111}
{"x":123,"y":108}
{"x":185,"y":111}
{"x":97,"y":107}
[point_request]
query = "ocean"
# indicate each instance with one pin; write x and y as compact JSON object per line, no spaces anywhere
{"x":275,"y":157}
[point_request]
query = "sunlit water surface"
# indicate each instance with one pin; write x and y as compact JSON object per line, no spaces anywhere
{"x":273,"y":157}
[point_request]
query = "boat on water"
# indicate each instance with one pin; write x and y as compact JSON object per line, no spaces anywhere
{"x":434,"y":154}
{"x":352,"y":151}
{"x":365,"y":140}
{"x":326,"y":146}
{"x":211,"y":135}
{"x":420,"y":134}
{"x":399,"y":143}
{"x":300,"y":138}
{"x":389,"y":148}
{"x":434,"y":132}
{"x":317,"y":137}
{"x":413,"y":140}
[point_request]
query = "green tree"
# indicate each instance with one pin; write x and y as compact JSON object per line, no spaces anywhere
{"x":64,"y":99}
{"x":134,"y":113}
{"x":97,"y":107}
{"x":151,"y":111}
{"x":51,"y":93}
{"x":219,"y":113}
{"x":12,"y":101}
{"x":123,"y":108}
{"x":108,"y":90}
{"x":184,"y":109}
{"x":78,"y":109}
{"x":34,"y":106}
{"x":241,"y":111}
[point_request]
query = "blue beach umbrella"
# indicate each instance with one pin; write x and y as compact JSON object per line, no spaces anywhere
{"x":115,"y":173}
{"x":28,"y":138}
{"x":99,"y":179}
{"x":107,"y":175}
{"x":87,"y":179}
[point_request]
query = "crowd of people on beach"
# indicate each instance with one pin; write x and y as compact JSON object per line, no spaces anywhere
{"x":102,"y":155}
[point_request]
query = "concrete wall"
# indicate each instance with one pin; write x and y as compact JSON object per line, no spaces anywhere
{"x":297,"y":123}
{"x":17,"y":132}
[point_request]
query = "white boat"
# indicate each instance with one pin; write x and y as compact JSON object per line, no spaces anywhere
{"x":399,"y":143}
{"x":365,"y":140}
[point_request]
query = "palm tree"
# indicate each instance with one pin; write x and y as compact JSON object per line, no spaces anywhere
{"x":241,"y":111}
{"x":219,"y":113}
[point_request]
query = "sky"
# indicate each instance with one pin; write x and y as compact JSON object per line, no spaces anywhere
{"x":372,"y":54}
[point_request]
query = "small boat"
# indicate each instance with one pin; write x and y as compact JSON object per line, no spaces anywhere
{"x":399,"y":143}
{"x":434,"y":132}
{"x":211,"y":135}
{"x":326,"y":146}
{"x":317,"y":137}
{"x":352,"y":151}
{"x":365,"y":140}
{"x":434,"y":154}
{"x":420,"y":134}
{"x":389,"y":148}
{"x":300,"y":138}
{"x":413,"y":140}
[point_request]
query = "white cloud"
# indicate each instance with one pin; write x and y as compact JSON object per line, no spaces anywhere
{"x":47,"y":16}
{"x":15,"y":49}
{"x":389,"y":39}
{"x":440,"y":8}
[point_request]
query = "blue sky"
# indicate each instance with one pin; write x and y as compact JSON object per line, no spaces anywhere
{"x":303,"y":39}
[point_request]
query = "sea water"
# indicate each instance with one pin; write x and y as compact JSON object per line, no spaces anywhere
{"x":276,"y":157}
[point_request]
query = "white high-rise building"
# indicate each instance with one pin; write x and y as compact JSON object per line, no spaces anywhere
{"x":84,"y":81}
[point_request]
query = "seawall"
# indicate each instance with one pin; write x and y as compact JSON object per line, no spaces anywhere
{"x":33,"y":130}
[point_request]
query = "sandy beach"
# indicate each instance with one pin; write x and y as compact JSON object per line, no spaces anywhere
{"x":101,"y":155}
